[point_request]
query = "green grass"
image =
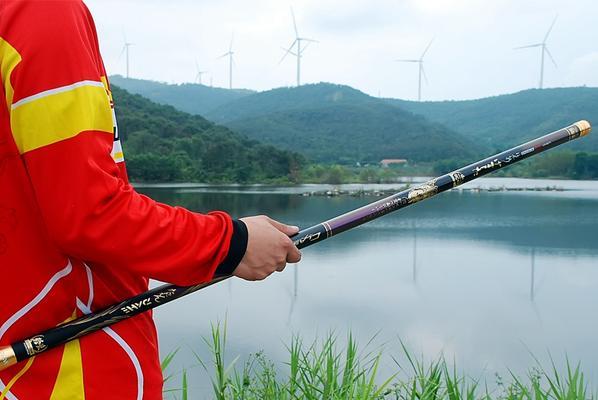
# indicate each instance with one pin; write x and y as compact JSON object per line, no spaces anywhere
{"x":324,"y":370}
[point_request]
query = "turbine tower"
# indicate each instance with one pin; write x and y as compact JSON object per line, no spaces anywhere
{"x":199,"y":73}
{"x":544,"y":50}
{"x":422,"y":72}
{"x":229,"y":54}
{"x":125,"y":50}
{"x":298,"y":52}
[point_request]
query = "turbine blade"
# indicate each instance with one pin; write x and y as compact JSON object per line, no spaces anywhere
{"x":528,"y":46}
{"x":409,"y":61}
{"x":550,"y":56}
{"x":122,"y":52}
{"x":224,"y":55}
{"x":307,"y":45}
{"x":288,"y":51}
{"x":295,"y":23}
{"x":426,"y":50}
{"x":309,"y":40}
{"x":421,"y":65}
{"x":550,"y":29}
{"x":230,"y":47}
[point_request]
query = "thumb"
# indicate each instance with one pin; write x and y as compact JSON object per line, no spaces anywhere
{"x":286,"y":229}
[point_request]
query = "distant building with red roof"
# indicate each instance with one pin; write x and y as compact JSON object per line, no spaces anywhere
{"x":392,"y":161}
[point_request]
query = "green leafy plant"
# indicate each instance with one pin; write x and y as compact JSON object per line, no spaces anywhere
{"x":324,"y":370}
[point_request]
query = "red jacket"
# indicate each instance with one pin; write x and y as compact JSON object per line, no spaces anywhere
{"x":74,"y":235}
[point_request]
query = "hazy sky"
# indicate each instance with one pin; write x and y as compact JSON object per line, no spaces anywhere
{"x":472,"y":55}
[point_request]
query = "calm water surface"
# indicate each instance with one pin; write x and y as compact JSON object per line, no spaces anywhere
{"x":485,"y":278}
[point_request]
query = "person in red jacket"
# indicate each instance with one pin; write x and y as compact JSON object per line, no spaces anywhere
{"x":74,"y":235}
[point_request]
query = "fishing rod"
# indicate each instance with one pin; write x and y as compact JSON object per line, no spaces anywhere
{"x":19,"y":351}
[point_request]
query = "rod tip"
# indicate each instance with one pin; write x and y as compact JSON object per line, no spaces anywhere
{"x":7,"y":357}
{"x":584,"y":127}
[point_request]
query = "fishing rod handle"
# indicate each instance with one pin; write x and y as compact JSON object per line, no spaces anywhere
{"x":7,"y":357}
{"x":66,"y":332}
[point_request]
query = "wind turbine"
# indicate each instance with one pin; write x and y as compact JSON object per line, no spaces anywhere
{"x":125,"y":49}
{"x":298,"y":53}
{"x":420,"y":61}
{"x":533,"y":280}
{"x":294,"y":294}
{"x":544,"y":51}
{"x":229,"y":54}
{"x":199,"y":73}
{"x":414,"y":253}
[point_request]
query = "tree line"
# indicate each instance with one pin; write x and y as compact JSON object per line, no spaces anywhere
{"x":552,"y":164}
{"x":165,"y":145}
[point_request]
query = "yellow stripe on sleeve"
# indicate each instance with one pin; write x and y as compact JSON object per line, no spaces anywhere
{"x":60,"y":114}
{"x":9,"y":59}
{"x":106,"y":86}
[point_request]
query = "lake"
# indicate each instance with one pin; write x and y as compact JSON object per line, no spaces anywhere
{"x":489,"y":279}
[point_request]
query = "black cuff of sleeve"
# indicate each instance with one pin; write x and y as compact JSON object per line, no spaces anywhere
{"x":238,"y":245}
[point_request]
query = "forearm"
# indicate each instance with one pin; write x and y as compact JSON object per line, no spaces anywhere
{"x":94,"y":215}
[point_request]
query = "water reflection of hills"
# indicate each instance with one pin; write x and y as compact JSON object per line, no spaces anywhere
{"x":560,"y":224}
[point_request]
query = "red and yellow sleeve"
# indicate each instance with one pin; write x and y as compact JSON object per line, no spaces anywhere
{"x":62,"y":124}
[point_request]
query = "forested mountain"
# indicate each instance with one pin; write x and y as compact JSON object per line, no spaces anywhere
{"x":163,"y":144}
{"x":334,"y":123}
{"x":506,"y":120}
{"x":188,"y":97}
{"x":338,"y":124}
{"x":289,"y":99}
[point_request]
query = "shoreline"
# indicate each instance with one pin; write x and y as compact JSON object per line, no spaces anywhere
{"x":388,"y":192}
{"x":485,"y":184}
{"x":407,"y":179}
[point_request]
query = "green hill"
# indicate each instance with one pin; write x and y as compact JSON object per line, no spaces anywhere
{"x":163,"y":144}
{"x":507,"y":120}
{"x":187,"y":97}
{"x":333,"y":123}
{"x":290,"y":99}
{"x":337,"y":124}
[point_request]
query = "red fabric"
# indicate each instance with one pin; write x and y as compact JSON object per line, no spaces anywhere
{"x":70,"y":201}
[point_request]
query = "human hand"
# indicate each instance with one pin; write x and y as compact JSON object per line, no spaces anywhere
{"x":269,"y":248}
